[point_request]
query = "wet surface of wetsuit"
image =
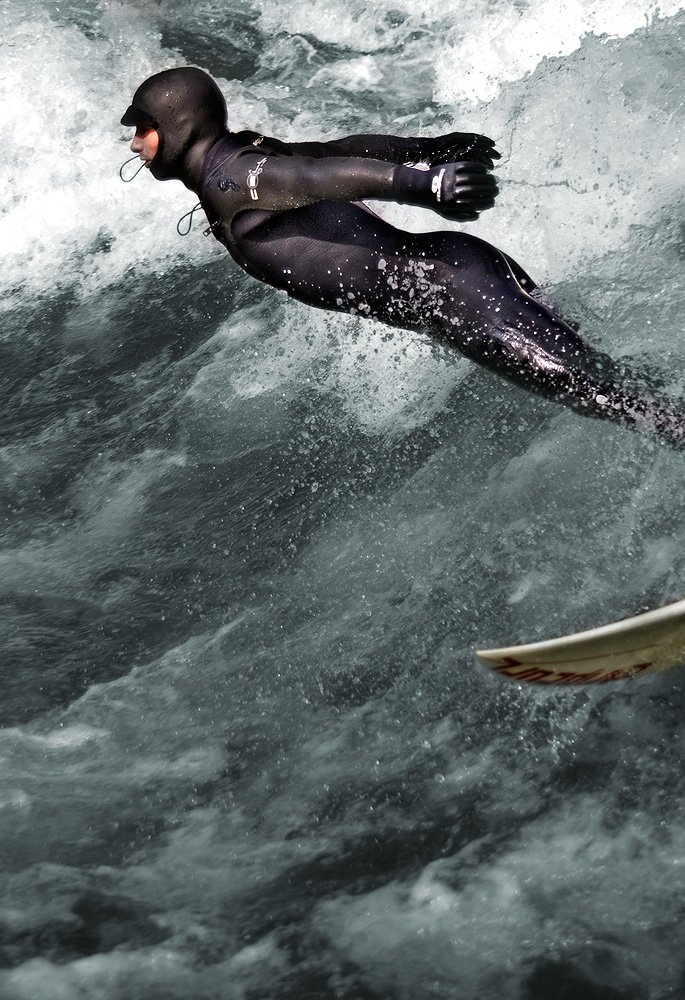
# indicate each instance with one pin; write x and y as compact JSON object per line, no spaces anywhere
{"x":338,"y":255}
{"x":289,"y":214}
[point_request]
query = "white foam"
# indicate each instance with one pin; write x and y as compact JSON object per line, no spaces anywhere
{"x":69,"y":221}
{"x":357,"y":24}
{"x":509,"y":41}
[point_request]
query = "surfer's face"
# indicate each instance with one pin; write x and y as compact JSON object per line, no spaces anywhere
{"x":145,"y":142}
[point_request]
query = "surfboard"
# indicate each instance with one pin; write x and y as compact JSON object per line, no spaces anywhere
{"x":648,"y":642}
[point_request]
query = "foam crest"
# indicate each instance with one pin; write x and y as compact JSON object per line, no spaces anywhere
{"x":510,"y":40}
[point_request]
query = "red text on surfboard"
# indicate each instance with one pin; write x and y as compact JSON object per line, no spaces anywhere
{"x":517,"y":671}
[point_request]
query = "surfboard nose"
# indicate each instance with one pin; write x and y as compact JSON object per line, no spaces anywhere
{"x":648,"y":642}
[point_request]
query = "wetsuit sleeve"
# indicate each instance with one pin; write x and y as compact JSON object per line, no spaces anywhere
{"x":451,"y":148}
{"x":279,"y":183}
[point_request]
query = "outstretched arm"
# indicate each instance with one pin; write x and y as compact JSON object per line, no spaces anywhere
{"x":458,"y":191}
{"x":455,"y":147}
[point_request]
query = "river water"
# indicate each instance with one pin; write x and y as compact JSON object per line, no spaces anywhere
{"x":248,"y":548}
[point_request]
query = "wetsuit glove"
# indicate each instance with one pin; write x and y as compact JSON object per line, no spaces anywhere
{"x":455,"y":147}
{"x":458,"y":191}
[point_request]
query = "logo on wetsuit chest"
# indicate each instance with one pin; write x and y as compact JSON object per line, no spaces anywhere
{"x":253,"y":178}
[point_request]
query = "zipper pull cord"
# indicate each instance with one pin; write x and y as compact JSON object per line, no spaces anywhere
{"x":191,"y":213}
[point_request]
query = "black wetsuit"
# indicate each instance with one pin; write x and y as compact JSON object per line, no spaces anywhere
{"x":339,"y":255}
{"x":290,"y":215}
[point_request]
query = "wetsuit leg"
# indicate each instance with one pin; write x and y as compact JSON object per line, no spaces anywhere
{"x":453,"y":286}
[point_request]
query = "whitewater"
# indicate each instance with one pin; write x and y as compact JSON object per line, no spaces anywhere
{"x":248,"y":548}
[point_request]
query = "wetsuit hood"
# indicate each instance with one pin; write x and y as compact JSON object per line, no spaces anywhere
{"x":188,"y":111}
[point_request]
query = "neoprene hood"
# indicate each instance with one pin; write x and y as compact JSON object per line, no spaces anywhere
{"x":188,"y":111}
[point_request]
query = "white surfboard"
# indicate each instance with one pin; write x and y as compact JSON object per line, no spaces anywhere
{"x":652,"y":641}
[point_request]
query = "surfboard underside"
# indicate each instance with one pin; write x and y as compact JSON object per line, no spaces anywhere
{"x":648,"y":642}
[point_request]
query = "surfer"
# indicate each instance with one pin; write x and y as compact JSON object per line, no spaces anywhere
{"x":291,"y":215}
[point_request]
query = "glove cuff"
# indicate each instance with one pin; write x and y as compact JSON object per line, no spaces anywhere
{"x":417,"y":187}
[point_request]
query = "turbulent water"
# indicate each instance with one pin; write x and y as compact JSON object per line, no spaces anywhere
{"x":248,"y":548}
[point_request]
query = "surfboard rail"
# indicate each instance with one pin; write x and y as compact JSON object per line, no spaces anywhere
{"x":652,"y":641}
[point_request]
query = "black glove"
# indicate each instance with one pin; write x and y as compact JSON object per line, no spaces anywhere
{"x":456,"y":147}
{"x":459,"y":191}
